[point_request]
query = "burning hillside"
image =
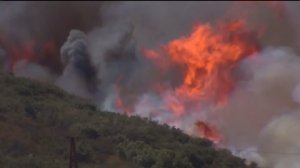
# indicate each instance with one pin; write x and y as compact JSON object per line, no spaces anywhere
{"x":222,"y":72}
{"x":207,"y":59}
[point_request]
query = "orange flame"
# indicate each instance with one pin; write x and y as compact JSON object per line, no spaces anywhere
{"x":119,"y":103}
{"x":32,"y":50}
{"x":208,"y":56}
{"x":208,"y":132}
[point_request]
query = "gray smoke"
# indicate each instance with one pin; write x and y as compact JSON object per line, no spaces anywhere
{"x":44,"y":22}
{"x":99,"y":56}
{"x":277,"y":24}
{"x":158,"y":22}
{"x":33,"y":71}
{"x":266,"y":93}
{"x":259,"y":111}
{"x":79,"y":76}
{"x":113,"y":48}
{"x":96,"y":61}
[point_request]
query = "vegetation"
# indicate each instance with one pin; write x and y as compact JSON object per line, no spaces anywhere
{"x":37,"y":118}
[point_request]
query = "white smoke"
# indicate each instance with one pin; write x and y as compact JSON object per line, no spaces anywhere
{"x":258,"y":117}
{"x":280,"y":142}
{"x":259,"y":111}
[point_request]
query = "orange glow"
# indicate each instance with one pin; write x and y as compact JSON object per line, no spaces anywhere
{"x":150,"y":54}
{"x":208,"y":132}
{"x":208,"y":57}
{"x":29,"y":50}
{"x":153,"y":56}
{"x":119,"y":104}
{"x":175,"y":106}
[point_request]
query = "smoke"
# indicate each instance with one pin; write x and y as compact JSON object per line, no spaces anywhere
{"x":278,"y":144}
{"x":267,"y":91}
{"x":158,"y":22}
{"x":79,"y":76}
{"x":96,"y":50}
{"x":113,"y":49}
{"x":35,"y":25}
{"x":34,"y":71}
{"x":266,"y":94}
{"x":260,"y":111}
{"x":275,"y":20}
{"x":282,"y":134}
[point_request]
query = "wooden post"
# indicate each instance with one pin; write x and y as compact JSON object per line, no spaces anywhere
{"x":73,"y":159}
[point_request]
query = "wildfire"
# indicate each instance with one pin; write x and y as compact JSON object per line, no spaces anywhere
{"x":119,"y":103}
{"x":208,"y":132}
{"x":29,"y":50}
{"x":208,"y":57}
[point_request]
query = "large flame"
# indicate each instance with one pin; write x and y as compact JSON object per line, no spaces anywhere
{"x":208,"y":58}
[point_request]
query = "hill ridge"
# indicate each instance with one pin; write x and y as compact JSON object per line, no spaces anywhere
{"x":36,"y":118}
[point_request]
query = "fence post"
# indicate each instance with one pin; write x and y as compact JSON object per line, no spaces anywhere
{"x":73,"y":159}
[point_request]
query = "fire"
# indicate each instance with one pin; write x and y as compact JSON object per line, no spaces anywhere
{"x":119,"y":103}
{"x":208,"y":132}
{"x":30,"y":50}
{"x":175,"y":105}
{"x":208,"y":57}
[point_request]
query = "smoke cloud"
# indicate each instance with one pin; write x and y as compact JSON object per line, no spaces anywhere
{"x":44,"y":24}
{"x":266,"y":94}
{"x":282,"y":134}
{"x":79,"y":75}
{"x":96,"y":50}
{"x":34,"y":71}
{"x":261,"y":112}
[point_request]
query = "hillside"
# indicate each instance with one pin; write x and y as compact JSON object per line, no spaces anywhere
{"x":37,"y":118}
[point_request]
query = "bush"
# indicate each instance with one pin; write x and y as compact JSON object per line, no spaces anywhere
{"x":37,"y":117}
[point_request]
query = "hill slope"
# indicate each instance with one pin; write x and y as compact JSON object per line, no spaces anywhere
{"x":36,"y":118}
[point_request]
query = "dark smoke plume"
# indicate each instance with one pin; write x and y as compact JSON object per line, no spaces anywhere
{"x":95,"y":50}
{"x":43,"y":22}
